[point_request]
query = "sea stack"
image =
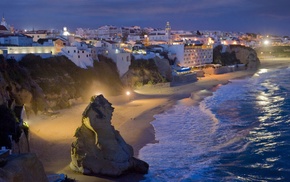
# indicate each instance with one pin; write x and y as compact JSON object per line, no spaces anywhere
{"x":99,"y":148}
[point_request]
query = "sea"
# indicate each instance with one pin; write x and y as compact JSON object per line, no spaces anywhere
{"x":240,"y":133}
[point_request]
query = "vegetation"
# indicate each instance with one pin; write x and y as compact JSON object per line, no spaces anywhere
{"x":145,"y":72}
{"x":58,"y":74}
{"x":54,"y":81}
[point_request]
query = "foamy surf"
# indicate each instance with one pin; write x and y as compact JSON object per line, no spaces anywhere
{"x":240,"y":133}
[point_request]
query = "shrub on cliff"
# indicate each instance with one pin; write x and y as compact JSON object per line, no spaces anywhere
{"x":142,"y":72}
{"x":107,"y":72}
{"x":61,"y":80}
{"x":17,"y":85}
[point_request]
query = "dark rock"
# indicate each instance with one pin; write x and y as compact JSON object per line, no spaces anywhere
{"x":142,"y":72}
{"x":236,"y":54}
{"x":246,"y":55}
{"x":24,"y":168}
{"x":99,"y":148}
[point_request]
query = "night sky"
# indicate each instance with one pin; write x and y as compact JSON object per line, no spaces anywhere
{"x":255,"y":16}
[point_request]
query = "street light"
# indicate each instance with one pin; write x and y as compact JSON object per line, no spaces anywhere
{"x":266,"y":42}
{"x":128,"y":93}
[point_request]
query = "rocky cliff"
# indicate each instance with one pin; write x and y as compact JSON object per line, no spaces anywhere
{"x":24,"y":168}
{"x":99,"y":148}
{"x":236,"y":54}
{"x":17,"y":86}
{"x":55,"y":83}
{"x":150,"y":71}
{"x":246,"y":55}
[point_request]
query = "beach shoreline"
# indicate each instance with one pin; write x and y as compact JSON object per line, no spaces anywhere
{"x":53,"y":146}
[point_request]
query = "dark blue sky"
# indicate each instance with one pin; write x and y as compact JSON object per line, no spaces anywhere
{"x":257,"y":16}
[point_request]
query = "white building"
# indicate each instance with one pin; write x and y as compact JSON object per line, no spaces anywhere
{"x":161,"y":35}
{"x":80,"y":54}
{"x":37,"y":34}
{"x":118,"y":55}
{"x":106,"y":32}
{"x":133,"y":38}
{"x":86,"y":33}
{"x":195,"y":55}
{"x":133,"y":30}
{"x":15,"y":40}
{"x":191,"y":38}
{"x":18,"y":52}
{"x":158,"y":35}
{"x":191,"y":55}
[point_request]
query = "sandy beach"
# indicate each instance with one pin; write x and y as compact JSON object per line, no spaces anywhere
{"x":51,"y":136}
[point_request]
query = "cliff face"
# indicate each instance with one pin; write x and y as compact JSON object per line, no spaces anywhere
{"x":246,"y":55}
{"x":150,"y":71}
{"x":23,"y":167}
{"x":236,"y":54}
{"x":17,"y":86}
{"x":54,"y":83}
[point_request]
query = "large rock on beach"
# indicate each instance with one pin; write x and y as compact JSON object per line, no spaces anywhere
{"x":99,"y":148}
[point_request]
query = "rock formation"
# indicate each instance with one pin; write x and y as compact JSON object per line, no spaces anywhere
{"x":164,"y":68}
{"x":144,"y":71}
{"x":99,"y":148}
{"x":23,"y":167}
{"x":35,"y":82}
{"x":246,"y":55}
{"x":236,"y":54}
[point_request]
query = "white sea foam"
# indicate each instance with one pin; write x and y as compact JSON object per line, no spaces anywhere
{"x":192,"y":139}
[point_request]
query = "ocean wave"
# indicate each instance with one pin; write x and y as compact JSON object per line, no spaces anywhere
{"x":239,"y":132}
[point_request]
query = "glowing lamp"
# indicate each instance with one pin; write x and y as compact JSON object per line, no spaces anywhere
{"x":266,"y":42}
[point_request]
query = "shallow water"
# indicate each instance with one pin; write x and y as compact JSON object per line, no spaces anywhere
{"x":240,"y":133}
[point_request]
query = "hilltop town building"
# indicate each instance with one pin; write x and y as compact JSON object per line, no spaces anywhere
{"x":118,"y":55}
{"x":79,"y":53}
{"x":38,"y":34}
{"x":4,"y":27}
{"x":191,"y":55}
